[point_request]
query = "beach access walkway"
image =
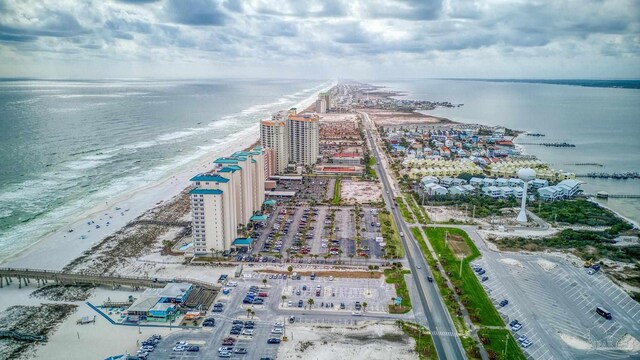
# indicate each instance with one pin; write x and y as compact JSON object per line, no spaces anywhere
{"x":43,"y":277}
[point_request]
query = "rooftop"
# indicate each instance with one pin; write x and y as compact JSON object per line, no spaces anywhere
{"x":209,"y":177}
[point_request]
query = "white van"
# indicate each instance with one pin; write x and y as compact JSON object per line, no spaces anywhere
{"x":232,"y":283}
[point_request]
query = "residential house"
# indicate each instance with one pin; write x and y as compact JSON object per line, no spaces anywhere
{"x":475,"y":182}
{"x":458,"y":181}
{"x":515,"y":182}
{"x":446,"y":181}
{"x":457,"y":190}
{"x":435,"y":189}
{"x":506,"y":191}
{"x":492,"y":191}
{"x":570,"y":187}
{"x":538,"y":183}
{"x":550,"y":193}
{"x":500,"y":182}
{"x":488,"y":182}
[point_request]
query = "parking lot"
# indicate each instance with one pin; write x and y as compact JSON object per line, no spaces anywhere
{"x":555,"y":302}
{"x":375,"y":292}
{"x":320,"y":232}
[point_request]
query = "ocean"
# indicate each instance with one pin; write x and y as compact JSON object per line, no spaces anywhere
{"x":67,"y":146}
{"x":602,"y":118}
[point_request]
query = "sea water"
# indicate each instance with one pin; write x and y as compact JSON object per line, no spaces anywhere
{"x":601,"y":118}
{"x":67,"y":146}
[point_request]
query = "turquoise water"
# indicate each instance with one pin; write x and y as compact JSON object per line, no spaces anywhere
{"x":66,"y":146}
{"x":603,"y":122}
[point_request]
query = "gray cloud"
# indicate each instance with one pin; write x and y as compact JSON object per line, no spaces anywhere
{"x":302,"y":34}
{"x":196,"y":12}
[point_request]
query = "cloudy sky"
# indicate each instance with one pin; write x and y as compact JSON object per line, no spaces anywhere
{"x":320,"y":38}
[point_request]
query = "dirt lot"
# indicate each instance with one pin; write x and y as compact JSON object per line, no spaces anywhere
{"x":367,"y":342}
{"x":389,"y":117}
{"x":458,"y":245}
{"x":358,"y":192}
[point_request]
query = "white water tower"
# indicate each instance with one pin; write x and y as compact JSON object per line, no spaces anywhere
{"x":525,"y":175}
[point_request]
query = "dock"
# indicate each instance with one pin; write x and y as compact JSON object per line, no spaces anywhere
{"x":42,"y":277}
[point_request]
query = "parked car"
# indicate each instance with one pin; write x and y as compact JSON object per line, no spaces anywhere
{"x":193,"y":348}
{"x":248,"y":332}
{"x":292,"y":319}
{"x":504,"y":303}
{"x":513,"y":322}
{"x":516,"y":327}
{"x":273,"y":341}
{"x":522,"y":338}
{"x":224,"y":354}
{"x":526,"y":343}
{"x":300,"y":303}
{"x":240,"y":351}
{"x":484,"y":278}
{"x":481,"y":272}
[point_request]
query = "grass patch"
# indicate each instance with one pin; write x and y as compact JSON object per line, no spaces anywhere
{"x":389,"y":230}
{"x":396,"y":277}
{"x":424,"y":343}
{"x":473,"y":297}
{"x":406,"y":214}
{"x":445,"y":291}
{"x":336,"y":193}
{"x":585,"y":244}
{"x":494,"y":341}
{"x":470,"y":347}
{"x":418,"y":211}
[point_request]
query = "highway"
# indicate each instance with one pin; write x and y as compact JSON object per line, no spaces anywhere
{"x":437,"y":318}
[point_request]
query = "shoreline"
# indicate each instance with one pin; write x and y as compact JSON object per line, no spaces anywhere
{"x":60,"y":247}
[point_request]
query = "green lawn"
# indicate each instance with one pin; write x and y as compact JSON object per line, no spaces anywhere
{"x":396,"y":277}
{"x":494,"y":341}
{"x":406,"y":214}
{"x":481,"y":310}
{"x":389,"y":230}
{"x":336,"y":193}
{"x":424,"y":342}
{"x":447,"y":294}
{"x":417,"y":210}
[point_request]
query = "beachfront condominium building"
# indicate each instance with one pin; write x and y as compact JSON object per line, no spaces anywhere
{"x":321,"y":105}
{"x":327,"y":101}
{"x":304,"y":136}
{"x":274,"y":135}
{"x":225,"y":198}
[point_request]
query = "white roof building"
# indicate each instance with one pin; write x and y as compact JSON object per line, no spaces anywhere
{"x":435,"y":189}
{"x":492,"y":191}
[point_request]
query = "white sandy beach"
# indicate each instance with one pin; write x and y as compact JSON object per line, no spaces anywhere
{"x":56,"y":250}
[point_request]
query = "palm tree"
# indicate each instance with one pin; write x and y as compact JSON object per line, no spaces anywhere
{"x":248,"y":312}
{"x":290,"y":269}
{"x":284,"y":297}
{"x":310,"y":302}
{"x":364,"y":306}
{"x":264,"y":282}
{"x":351,"y":257}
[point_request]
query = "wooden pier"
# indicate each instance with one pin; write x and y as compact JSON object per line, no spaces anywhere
{"x":26,"y":277}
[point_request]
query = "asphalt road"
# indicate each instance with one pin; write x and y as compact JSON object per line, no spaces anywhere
{"x":438,"y":320}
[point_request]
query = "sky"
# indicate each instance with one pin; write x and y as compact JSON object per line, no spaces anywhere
{"x":320,"y":39}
